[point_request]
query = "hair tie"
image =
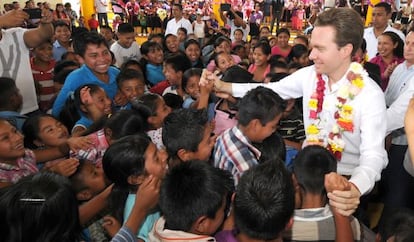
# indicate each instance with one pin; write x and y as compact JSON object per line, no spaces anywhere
{"x":71,"y":95}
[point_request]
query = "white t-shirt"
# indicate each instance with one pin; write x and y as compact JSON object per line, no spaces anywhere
{"x":233,"y":27}
{"x":124,"y":54}
{"x":15,"y":64}
{"x":173,"y":26}
{"x":364,"y":156}
{"x":101,"y":6}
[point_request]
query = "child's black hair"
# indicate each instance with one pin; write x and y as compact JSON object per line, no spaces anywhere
{"x":191,"y":42}
{"x":173,"y":101}
{"x":31,"y":130}
{"x":61,"y":76}
{"x":129,"y":74}
{"x":296,"y":52}
{"x":271,"y":148}
{"x":191,"y":190}
{"x":260,"y":103}
{"x":399,"y":221}
{"x":60,"y":23}
{"x":82,"y":41}
{"x":190,"y":73}
{"x":125,"y":28}
{"x":8,"y":88}
{"x":310,"y":166}
{"x":264,"y":201}
{"x":178,"y":62}
{"x":183,"y":129}
{"x":131,"y":62}
{"x":264,"y":46}
{"x":63,"y":64}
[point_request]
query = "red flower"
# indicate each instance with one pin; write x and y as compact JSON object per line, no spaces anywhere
{"x":346,"y":125}
{"x":313,"y":114}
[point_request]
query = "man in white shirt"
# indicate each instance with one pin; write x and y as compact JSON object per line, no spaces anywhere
{"x":397,"y":183}
{"x":235,"y":20}
{"x":178,"y":21}
{"x":15,"y":44}
{"x":336,"y":37}
{"x":101,"y":7}
{"x":381,"y":14}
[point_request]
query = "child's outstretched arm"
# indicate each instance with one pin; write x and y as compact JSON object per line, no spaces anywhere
{"x":91,"y":208}
{"x":334,"y":181}
{"x":205,"y":91}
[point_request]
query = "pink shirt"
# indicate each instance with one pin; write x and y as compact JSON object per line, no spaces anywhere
{"x":277,"y":51}
{"x":25,"y":166}
{"x":383,"y":66}
{"x":253,"y":67}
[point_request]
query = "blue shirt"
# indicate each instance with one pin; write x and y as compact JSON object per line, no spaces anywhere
{"x":154,"y":74}
{"x":82,"y":76}
{"x":58,"y":51}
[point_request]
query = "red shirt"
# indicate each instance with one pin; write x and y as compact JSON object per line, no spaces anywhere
{"x":93,"y":23}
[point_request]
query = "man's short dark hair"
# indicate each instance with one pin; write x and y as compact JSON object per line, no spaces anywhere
{"x":264,"y":201}
{"x":384,"y":5}
{"x":260,"y":103}
{"x":191,"y":190}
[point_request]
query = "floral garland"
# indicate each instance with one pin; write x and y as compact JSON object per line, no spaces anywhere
{"x":343,"y":114}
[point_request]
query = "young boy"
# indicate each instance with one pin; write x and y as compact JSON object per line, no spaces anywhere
{"x":93,"y":23}
{"x":174,"y":68}
{"x":263,"y":205}
{"x":314,"y":220}
{"x":194,"y":201}
{"x":131,"y":84}
{"x":62,"y":42}
{"x":259,"y":114}
{"x":187,"y":136}
{"x":125,"y":48}
{"x":94,"y":52}
{"x":108,"y":34}
{"x":11,"y":102}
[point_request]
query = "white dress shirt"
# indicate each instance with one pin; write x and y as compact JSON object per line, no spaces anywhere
{"x":364,"y":155}
{"x":372,"y":41}
{"x":173,"y":25}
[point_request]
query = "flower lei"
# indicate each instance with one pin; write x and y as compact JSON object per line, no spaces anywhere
{"x":343,"y":114}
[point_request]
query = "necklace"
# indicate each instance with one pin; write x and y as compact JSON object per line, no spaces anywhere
{"x":315,"y":133}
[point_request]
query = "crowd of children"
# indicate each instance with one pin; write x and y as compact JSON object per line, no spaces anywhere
{"x":126,"y":145}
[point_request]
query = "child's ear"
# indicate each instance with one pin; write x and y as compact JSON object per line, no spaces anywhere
{"x":289,"y":225}
{"x":83,"y":108}
{"x":135,"y":180}
{"x":184,"y":155}
{"x":84,"y":195}
{"x":201,"y":225}
{"x":255,"y":124}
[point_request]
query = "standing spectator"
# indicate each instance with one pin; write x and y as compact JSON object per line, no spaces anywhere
{"x":118,"y":7}
{"x":276,"y":11}
{"x":132,"y":11}
{"x":255,"y":20}
{"x":73,"y":16}
{"x":235,"y":21}
{"x":93,"y":23}
{"x":199,"y":27}
{"x":178,"y":21}
{"x":60,"y":15}
{"x":101,"y":7}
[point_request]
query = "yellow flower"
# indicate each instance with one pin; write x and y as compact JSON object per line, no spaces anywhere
{"x":346,"y":108}
{"x":313,"y":103}
{"x":358,"y":82}
{"x":336,"y":144}
{"x":356,"y":68}
{"x":312,"y":129}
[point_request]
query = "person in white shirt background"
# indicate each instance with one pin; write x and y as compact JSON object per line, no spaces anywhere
{"x":336,"y":37}
{"x":381,"y":14}
{"x":178,"y":21}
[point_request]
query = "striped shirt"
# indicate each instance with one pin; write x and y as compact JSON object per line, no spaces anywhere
{"x":25,"y":166}
{"x":45,"y":89}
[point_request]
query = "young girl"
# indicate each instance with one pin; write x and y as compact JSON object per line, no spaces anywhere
{"x":282,"y":47}
{"x":127,"y":163}
{"x":60,"y":15}
{"x":155,"y":110}
{"x":171,"y":44}
{"x":116,"y":22}
{"x":238,"y":38}
{"x":42,"y":64}
{"x":390,"y":54}
{"x":152,"y":60}
{"x":88,"y":104}
{"x":193,"y":52}
{"x":261,"y":67}
{"x":223,"y":61}
{"x":198,"y":97}
{"x":222,"y":44}
{"x":299,"y":54}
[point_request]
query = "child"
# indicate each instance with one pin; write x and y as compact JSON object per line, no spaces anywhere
{"x":181,"y":37}
{"x":396,"y":225}
{"x":171,"y":44}
{"x":81,"y":22}
{"x":223,"y":61}
{"x":142,"y":17}
{"x":62,"y":42}
{"x":299,"y":54}
{"x":93,"y":23}
{"x":88,"y":104}
{"x":131,"y":84}
{"x":259,"y":113}
{"x":194,"y":200}
{"x":127,"y":163}
{"x":42,"y":64}
{"x":93,"y":50}
{"x":152,"y":60}
{"x":174,"y":68}
{"x":238,"y":38}
{"x":187,"y":136}
{"x":312,"y":196}
{"x":198,"y":97}
{"x":153,"y":105}
{"x":261,"y":56}
{"x":125,"y":48}
{"x":193,"y":52}
{"x":199,"y":27}
{"x":11,"y":102}
{"x":108,"y":34}
{"x":262,"y":206}
{"x":116,"y":22}
{"x":222,"y":44}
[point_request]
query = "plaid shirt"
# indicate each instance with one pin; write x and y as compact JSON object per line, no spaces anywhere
{"x":25,"y":166}
{"x":234,"y":152}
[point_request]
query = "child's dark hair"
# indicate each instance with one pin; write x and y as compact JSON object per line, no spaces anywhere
{"x":296,"y":52}
{"x":155,"y":35}
{"x":191,"y":42}
{"x":125,"y":28}
{"x":173,"y":101}
{"x":264,"y":46}
{"x":124,"y":158}
{"x":70,"y":113}
{"x":147,"y":106}
{"x":273,"y":147}
{"x":81,"y":42}
{"x":398,"y":221}
{"x":310,"y":166}
{"x":399,"y":50}
{"x":275,"y":77}
{"x":131,"y":62}
{"x":220,"y":40}
{"x":278,"y":64}
{"x":39,"y":208}
{"x":129,"y":74}
{"x":282,"y":30}
{"x":238,"y":30}
{"x":77,"y":179}
{"x":178,"y":62}
{"x":60,"y":23}
{"x":237,"y":48}
{"x":260,"y":103}
{"x":149,"y":46}
{"x":190,"y":73}
{"x":165,"y":40}
{"x":63,"y":64}
{"x":31,"y":130}
{"x":66,"y":55}
{"x":61,"y":76}
{"x":183,"y":129}
{"x":191,"y":190}
{"x":182,"y":29}
{"x":303,"y":38}
{"x":107,"y":27}
{"x":264,"y":201}
{"x":7,"y":89}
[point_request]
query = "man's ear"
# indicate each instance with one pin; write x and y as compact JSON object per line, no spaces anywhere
{"x":84,"y":195}
{"x":135,"y":180}
{"x":346,"y":50}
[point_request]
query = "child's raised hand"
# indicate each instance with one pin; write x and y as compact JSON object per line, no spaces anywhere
{"x":65,"y":167}
{"x":85,"y":96}
{"x":120,"y":99}
{"x":111,"y":225}
{"x":334,"y":181}
{"x":79,"y":143}
{"x":148,"y":193}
